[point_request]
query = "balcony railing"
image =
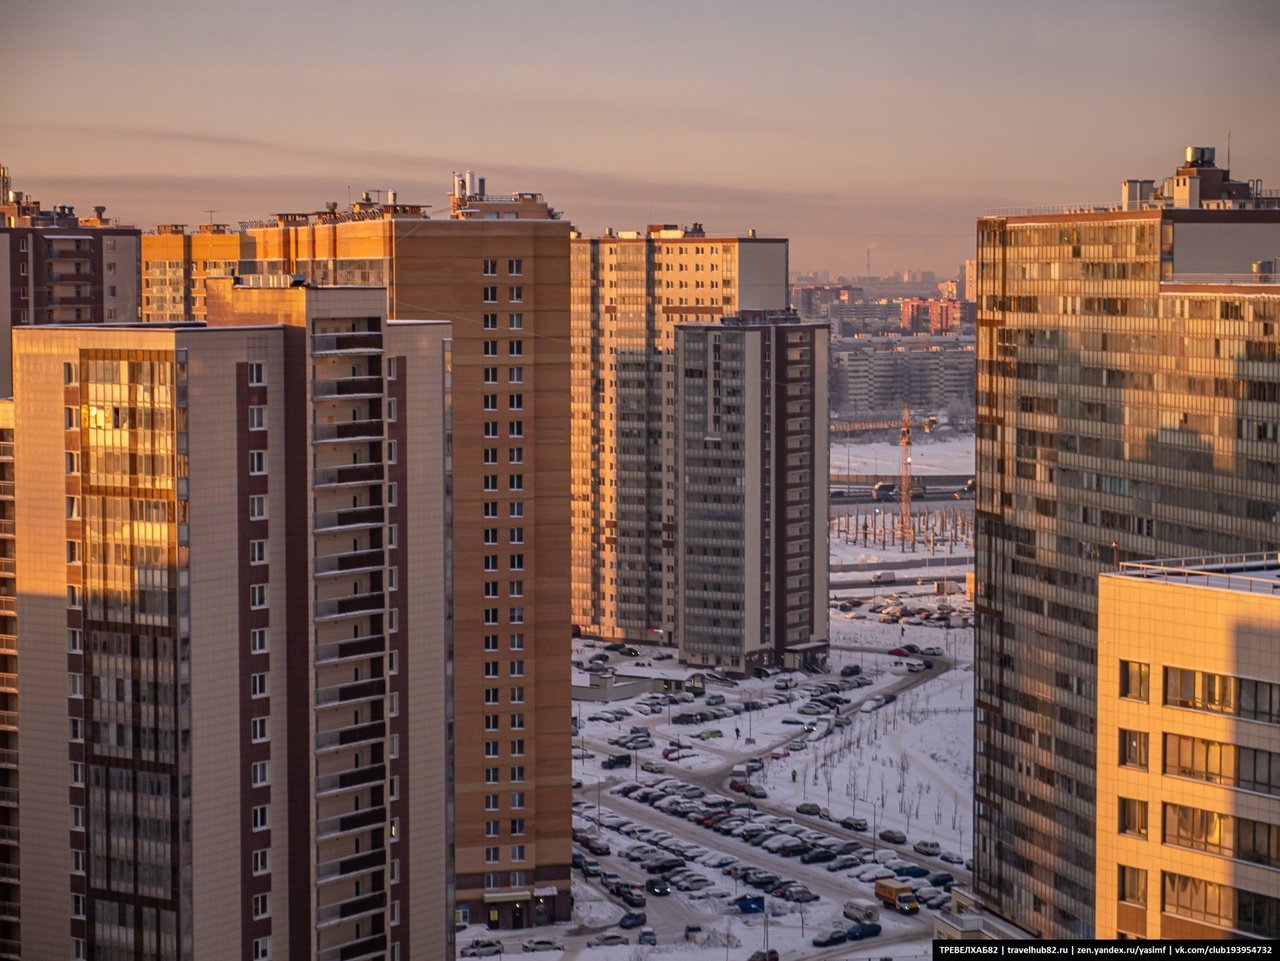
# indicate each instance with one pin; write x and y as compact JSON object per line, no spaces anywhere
{"x":350,"y":692}
{"x":354,"y":647}
{"x":347,"y":780}
{"x":333,"y":827}
{"x":354,"y":430}
{"x":355,"y":605}
{"x":349,"y":474}
{"x":351,"y":736}
{"x":372,"y":947}
{"x":351,"y":865}
{"x":346,"y":387}
{"x":350,"y":343}
{"x":343,"y":563}
{"x":355,"y":517}
{"x":353,"y":908}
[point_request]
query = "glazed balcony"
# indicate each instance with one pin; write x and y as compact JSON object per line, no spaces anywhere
{"x":347,"y":388}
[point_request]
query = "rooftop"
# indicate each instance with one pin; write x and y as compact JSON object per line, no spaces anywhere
{"x":1250,"y":573}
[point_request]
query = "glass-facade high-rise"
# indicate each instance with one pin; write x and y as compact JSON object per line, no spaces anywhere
{"x":1128,"y":408}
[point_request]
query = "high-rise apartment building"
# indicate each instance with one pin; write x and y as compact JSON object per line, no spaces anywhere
{"x":57,"y":268}
{"x":1127,"y":408}
{"x":630,"y":291}
{"x":751,"y":495}
{"x":175,"y":265}
{"x":233,"y":591}
{"x":875,"y":375}
{"x":498,"y":269}
{"x":1188,"y":824}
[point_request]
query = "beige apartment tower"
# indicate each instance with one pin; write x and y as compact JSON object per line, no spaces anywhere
{"x":498,"y":270}
{"x":630,"y":291}
{"x":176,"y":264}
{"x":1188,"y":825}
{"x":243,"y":630}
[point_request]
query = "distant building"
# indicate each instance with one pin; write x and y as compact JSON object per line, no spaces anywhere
{"x":876,"y":375}
{"x":1188,"y":820}
{"x":970,"y":281}
{"x":937,"y":316}
{"x":752,"y":485}
{"x":1127,"y":409}
{"x":57,"y":268}
{"x":630,"y":291}
{"x":175,"y":265}
{"x":812,"y":302}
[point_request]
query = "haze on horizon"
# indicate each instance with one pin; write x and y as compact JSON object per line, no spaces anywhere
{"x":842,"y":125}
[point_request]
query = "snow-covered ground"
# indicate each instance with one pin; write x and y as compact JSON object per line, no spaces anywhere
{"x":929,"y":455}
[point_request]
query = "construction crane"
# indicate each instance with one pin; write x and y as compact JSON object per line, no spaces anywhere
{"x":905,"y":530}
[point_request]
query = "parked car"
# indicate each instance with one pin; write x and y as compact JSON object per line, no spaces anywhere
{"x":893,"y":837}
{"x":657,"y":886}
{"x":854,"y":824}
{"x":647,"y":936}
{"x":807,"y":807}
{"x":831,"y":937}
{"x":929,"y":848}
{"x":482,"y":949}
{"x":605,"y":940}
{"x":863,"y":929}
{"x":950,"y":857}
{"x":633,"y":898}
{"x":540,"y":944}
{"x":653,"y":767}
{"x":633,"y":919}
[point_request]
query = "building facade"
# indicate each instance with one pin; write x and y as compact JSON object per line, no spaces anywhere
{"x":175,"y":265}
{"x":875,"y":375}
{"x":250,"y":586}
{"x":630,"y":291}
{"x":498,"y":269}
{"x":1127,"y":409}
{"x":751,"y":492}
{"x":1188,"y":842}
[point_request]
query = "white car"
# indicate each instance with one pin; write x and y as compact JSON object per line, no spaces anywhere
{"x":540,"y":944}
{"x":871,"y":873}
{"x":933,"y":652}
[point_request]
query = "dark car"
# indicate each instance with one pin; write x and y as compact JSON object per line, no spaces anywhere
{"x":912,"y":871}
{"x":863,"y":929}
{"x":657,"y":886}
{"x":854,"y":824}
{"x":755,"y":790}
{"x":831,"y":937}
{"x":817,"y":856}
{"x":616,"y":646}
{"x":633,"y":919}
{"x":893,"y":837}
{"x":616,"y":761}
{"x":633,"y":898}
{"x":850,"y":670}
{"x":911,"y":648}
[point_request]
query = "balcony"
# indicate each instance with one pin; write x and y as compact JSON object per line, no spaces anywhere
{"x":327,"y":828}
{"x":351,"y":736}
{"x":353,"y":779}
{"x":355,"y":605}
{"x":351,"y":692}
{"x":347,"y":432}
{"x":345,"y":650}
{"x":351,"y":865}
{"x":354,"y":518}
{"x":8,"y":759}
{"x":8,"y":798}
{"x":347,"y":563}
{"x":347,"y":388}
{"x":349,"y":474}
{"x":331,"y":914}
{"x":965,"y":921}
{"x":8,"y":682}
{"x":328,"y":345}
{"x":9,"y":911}
{"x":372,"y":947}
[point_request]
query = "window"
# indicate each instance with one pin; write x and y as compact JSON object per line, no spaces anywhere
{"x":515,"y":482}
{"x":392,"y":453}
{"x":75,"y":640}
{"x":491,"y":802}
{"x":517,"y":668}
{"x":516,"y":562}
{"x":517,"y":747}
{"x":490,"y":267}
{"x":257,"y":462}
{"x":491,"y":350}
{"x":258,"y":685}
{"x":258,"y":730}
{"x":491,"y":511}
{"x":515,"y":375}
{"x":517,"y":642}
{"x":515,"y":294}
{"x":257,"y":507}
{"x":257,"y":552}
{"x":491,"y":722}
{"x":517,"y":827}
{"x":516,"y":509}
{"x":75,"y":685}
{"x":261,"y":861}
{"x":517,"y":773}
{"x":490,"y":588}
{"x":77,"y":772}
{"x":517,"y":695}
{"x":517,"y":722}
{"x":260,"y":817}
{"x":75,"y":728}
{"x":491,"y":615}
{"x":517,"y":800}
{"x":77,"y":905}
{"x":391,"y":409}
{"x":262,"y":949}
{"x":491,"y":375}
{"x":491,"y":642}
{"x":491,"y":775}
{"x":77,"y":817}
{"x":490,"y":428}
{"x":517,"y":535}
{"x":257,"y":596}
{"x":516,"y":615}
{"x":516,"y":588}
{"x":517,"y":852}
{"x":1133,"y":817}
{"x":490,"y":321}
{"x":515,"y":428}
{"x":490,"y":295}
{"x":490,"y":483}
{"x":490,"y":455}
{"x":515,"y":348}
{"x":515,"y":267}
{"x":515,"y":455}
{"x":392,"y":491}
{"x":1135,"y":680}
{"x":490,"y":401}
{"x":257,"y":374}
{"x":491,"y":562}
{"x":391,"y":368}
{"x":515,"y":321}
{"x":491,"y":695}
{"x":261,"y":905}
{"x":258,"y":640}
{"x":257,"y":418}
{"x":491,"y":535}
{"x":492,"y":829}
{"x":515,"y":402}
{"x":1133,"y":749}
{"x":77,"y":862}
{"x":491,"y":855}
{"x":490,"y":668}
{"x":260,"y":774}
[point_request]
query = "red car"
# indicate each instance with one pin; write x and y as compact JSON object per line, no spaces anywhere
{"x":780,"y":754}
{"x":899,"y":652}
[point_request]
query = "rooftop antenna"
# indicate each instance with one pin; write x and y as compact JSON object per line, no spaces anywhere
{"x":210,"y":211}
{"x":1228,"y":150}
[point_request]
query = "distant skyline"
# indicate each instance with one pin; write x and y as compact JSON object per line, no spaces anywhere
{"x":842,"y":125}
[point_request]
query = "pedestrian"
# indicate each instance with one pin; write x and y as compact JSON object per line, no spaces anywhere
{"x":793,"y":775}
{"x":737,"y":733}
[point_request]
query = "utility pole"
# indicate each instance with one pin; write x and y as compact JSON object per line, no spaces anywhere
{"x":904,"y":498}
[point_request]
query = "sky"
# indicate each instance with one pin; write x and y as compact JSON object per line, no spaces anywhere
{"x":885,"y":126}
